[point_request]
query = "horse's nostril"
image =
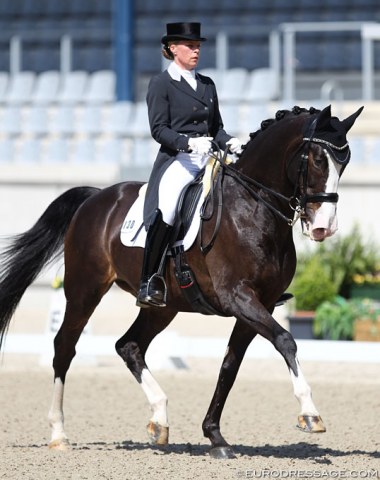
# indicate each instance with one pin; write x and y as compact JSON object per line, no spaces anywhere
{"x":320,"y":234}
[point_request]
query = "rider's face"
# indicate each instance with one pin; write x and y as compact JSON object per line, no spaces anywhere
{"x":186,"y":53}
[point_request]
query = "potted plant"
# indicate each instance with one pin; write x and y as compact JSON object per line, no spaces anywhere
{"x":311,"y":286}
{"x":367,"y":323}
{"x":351,"y":262}
{"x":338,"y":267}
{"x":366,"y":285}
{"x":346,"y":319}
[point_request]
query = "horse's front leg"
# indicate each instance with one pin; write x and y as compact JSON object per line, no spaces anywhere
{"x":240,"y":339}
{"x":309,"y":419}
{"x":262,"y":321}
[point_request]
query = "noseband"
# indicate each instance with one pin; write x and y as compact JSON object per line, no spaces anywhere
{"x":320,"y":197}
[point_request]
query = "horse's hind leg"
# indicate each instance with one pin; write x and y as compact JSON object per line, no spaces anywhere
{"x":240,"y":339}
{"x":132,"y":348}
{"x":80,"y":305}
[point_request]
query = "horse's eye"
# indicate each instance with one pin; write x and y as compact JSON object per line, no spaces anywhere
{"x":318,"y":161}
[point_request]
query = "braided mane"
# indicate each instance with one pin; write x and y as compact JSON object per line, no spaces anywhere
{"x":280,"y":114}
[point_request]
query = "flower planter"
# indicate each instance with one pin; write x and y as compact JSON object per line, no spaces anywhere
{"x":366,"y":291}
{"x":367,"y":330}
{"x":301,"y":325}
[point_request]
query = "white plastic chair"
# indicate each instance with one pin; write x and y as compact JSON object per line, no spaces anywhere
{"x":255,"y":115}
{"x":101,"y":87}
{"x":7,"y":150}
{"x":143,"y":153}
{"x":20,"y":88}
{"x":90,"y":121}
{"x":359,"y":151}
{"x":36,"y":121}
{"x":56,"y":150}
{"x":217,"y":76}
{"x":234,"y":85}
{"x":262,"y":85}
{"x":118,"y":119}
{"x":230,"y":113}
{"x":139,"y":125}
{"x":4,"y":82}
{"x":63,"y":121}
{"x":29,"y":151}
{"x":46,"y":89}
{"x":11,"y":121}
{"x":73,"y":87}
{"x":110,"y":151}
{"x":83,"y":151}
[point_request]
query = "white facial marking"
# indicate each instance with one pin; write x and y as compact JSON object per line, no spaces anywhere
{"x":325,"y":216}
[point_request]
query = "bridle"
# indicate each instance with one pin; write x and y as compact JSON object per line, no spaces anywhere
{"x":307,"y":142}
{"x":297,"y":202}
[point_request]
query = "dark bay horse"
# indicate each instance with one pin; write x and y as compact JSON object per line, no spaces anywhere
{"x":290,"y":167}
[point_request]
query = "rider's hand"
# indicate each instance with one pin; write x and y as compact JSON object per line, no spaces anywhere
{"x":201,"y":145}
{"x":234,"y":145}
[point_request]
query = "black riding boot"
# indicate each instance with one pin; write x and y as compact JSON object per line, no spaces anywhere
{"x":152,"y":288}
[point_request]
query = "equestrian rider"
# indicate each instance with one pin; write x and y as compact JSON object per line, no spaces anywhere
{"x":184,"y":118}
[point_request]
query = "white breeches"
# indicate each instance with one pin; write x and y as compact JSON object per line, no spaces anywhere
{"x":180,"y":173}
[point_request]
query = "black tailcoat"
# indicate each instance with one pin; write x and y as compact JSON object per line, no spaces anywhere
{"x":176,"y":113}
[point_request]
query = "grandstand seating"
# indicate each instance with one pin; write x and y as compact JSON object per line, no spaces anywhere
{"x":36,"y":121}
{"x":261,"y":86}
{"x":46,"y":88}
{"x":73,"y":87}
{"x":4,"y":79}
{"x":90,"y":121}
{"x":118,"y":119}
{"x":10,"y":121}
{"x":248,"y":24}
{"x":28,"y":150}
{"x":55,"y":130}
{"x":20,"y":88}
{"x":7,"y":147}
{"x":56,"y":150}
{"x":234,"y":86}
{"x":101,"y":87}
{"x":63,"y":121}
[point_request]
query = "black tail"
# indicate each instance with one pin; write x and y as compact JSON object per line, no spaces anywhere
{"x":30,"y":252}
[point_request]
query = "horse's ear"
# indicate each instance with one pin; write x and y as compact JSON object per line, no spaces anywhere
{"x":349,"y":121}
{"x":323,"y":119}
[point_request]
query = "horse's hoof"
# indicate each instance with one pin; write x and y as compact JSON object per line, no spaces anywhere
{"x":158,"y":434}
{"x":311,"y":424}
{"x":222,"y":453}
{"x":61,"y":444}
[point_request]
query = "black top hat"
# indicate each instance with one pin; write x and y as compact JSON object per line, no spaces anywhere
{"x":182,"y":31}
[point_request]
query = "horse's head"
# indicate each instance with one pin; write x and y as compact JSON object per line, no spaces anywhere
{"x":325,"y":155}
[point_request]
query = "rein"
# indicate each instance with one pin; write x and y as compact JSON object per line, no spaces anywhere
{"x":296,"y":202}
{"x":247,"y":183}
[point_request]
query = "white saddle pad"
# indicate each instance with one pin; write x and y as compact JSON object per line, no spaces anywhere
{"x":133,"y":233}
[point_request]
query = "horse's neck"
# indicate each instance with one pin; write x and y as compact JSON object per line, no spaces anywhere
{"x":267,"y":156}
{"x":266,"y":167}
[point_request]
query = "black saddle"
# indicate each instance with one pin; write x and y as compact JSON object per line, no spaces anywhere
{"x":186,"y":206}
